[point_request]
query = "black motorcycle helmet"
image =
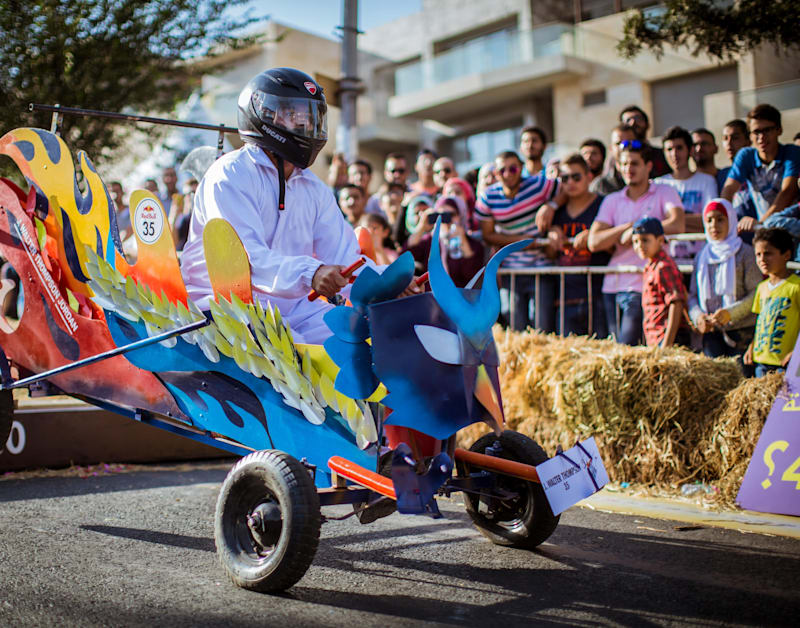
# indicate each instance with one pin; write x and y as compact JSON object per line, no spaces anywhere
{"x":283,"y":110}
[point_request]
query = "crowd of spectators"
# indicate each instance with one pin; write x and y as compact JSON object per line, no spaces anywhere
{"x":624,"y":204}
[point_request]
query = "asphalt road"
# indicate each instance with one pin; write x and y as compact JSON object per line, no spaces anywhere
{"x":137,"y":549}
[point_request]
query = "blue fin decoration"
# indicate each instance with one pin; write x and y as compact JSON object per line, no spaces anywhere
{"x":347,"y":324}
{"x":370,"y":287}
{"x":474,"y":320}
{"x":355,"y":378}
{"x":364,"y":286}
{"x":415,"y":491}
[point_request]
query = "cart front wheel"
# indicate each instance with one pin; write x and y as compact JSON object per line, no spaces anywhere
{"x":524,"y":520}
{"x":267,"y":521}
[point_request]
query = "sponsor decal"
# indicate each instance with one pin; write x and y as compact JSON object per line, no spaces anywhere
{"x":148,"y":220}
{"x":312,"y":89}
{"x":45,"y":279}
{"x":272,"y":133}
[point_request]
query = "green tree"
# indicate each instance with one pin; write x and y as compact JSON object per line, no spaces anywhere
{"x":115,"y":55}
{"x":722,"y":29}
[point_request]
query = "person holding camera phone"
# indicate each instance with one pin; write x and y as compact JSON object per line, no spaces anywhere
{"x":461,"y":253}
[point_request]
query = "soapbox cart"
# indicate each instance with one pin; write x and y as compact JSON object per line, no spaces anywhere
{"x":367,"y":419}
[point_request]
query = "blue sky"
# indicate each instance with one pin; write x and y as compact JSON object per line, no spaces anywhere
{"x":322,"y":16}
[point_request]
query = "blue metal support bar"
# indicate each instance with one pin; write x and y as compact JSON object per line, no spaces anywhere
{"x":148,"y":418}
{"x":145,"y":342}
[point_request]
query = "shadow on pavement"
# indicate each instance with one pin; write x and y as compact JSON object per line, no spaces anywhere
{"x":160,"y":538}
{"x":628,"y":579}
{"x":51,"y":487}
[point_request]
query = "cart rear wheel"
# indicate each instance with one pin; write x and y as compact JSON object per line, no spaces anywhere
{"x":6,"y":416}
{"x":524,"y":521}
{"x":267,"y":521}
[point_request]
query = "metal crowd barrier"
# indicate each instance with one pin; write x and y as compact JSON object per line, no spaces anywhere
{"x":588,"y":271}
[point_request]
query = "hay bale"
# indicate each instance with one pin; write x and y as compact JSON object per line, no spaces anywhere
{"x":660,"y":416}
{"x":725,"y":452}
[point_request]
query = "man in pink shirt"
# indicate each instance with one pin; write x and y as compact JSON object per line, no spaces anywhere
{"x":614,"y":227}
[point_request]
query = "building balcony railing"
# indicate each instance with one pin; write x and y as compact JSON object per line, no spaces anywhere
{"x":485,"y":54}
{"x":783,"y":96}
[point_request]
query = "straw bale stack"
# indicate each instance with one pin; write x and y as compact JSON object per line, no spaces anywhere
{"x":726,"y":450}
{"x":660,"y":417}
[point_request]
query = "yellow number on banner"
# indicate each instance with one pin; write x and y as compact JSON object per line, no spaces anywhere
{"x":792,"y":475}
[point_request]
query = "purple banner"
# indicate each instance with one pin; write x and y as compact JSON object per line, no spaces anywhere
{"x":772,"y":481}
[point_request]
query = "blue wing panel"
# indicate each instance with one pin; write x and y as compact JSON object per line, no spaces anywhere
{"x":222,"y":398}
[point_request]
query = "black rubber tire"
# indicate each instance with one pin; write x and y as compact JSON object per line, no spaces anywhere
{"x":6,"y":416}
{"x":526,"y":521}
{"x":276,"y":481}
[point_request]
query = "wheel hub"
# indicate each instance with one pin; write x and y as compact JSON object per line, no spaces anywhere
{"x":265,"y":524}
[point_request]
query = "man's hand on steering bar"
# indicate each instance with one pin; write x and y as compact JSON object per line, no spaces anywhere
{"x":328,"y":280}
{"x":411,"y":289}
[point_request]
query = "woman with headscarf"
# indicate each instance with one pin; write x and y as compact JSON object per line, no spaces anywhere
{"x":461,"y":253}
{"x":463,"y":190}
{"x":723,"y":285}
{"x":407,"y":223}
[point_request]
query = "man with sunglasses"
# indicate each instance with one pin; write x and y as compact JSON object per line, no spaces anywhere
{"x":395,"y":171}
{"x":613,"y":227}
{"x":507,"y":211}
{"x":770,"y":168}
{"x":443,"y":170}
{"x":571,"y":222}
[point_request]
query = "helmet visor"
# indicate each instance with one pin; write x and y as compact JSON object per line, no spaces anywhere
{"x":301,"y":116}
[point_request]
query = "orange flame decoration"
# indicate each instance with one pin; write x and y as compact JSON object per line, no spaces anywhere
{"x":74,"y":221}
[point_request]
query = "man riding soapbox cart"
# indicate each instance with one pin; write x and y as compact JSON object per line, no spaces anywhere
{"x":368,"y":419}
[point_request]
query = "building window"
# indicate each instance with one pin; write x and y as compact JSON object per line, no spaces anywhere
{"x":594,"y":98}
{"x":680,"y":100}
{"x":474,"y":150}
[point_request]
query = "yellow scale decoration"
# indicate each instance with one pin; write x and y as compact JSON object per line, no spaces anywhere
{"x":254,"y":336}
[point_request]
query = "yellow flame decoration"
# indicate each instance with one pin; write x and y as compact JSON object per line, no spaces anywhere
{"x":56,"y":180}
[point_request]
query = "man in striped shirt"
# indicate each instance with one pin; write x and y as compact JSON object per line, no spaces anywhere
{"x":507,"y":213}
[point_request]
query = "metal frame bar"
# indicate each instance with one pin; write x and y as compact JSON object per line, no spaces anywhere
{"x":149,"y":418}
{"x":59,"y":112}
{"x":145,"y":342}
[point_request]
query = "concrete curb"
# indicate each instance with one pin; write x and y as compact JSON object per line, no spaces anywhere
{"x":746,"y":521}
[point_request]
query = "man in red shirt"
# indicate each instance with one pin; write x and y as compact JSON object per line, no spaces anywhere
{"x":663,"y":294}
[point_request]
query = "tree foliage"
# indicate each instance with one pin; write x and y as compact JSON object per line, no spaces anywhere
{"x":721,"y":29}
{"x":115,"y":55}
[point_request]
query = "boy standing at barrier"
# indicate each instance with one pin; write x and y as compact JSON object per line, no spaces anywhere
{"x":663,"y":293}
{"x":777,"y":303}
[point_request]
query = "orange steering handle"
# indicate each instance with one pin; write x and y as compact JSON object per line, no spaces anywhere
{"x":347,"y":272}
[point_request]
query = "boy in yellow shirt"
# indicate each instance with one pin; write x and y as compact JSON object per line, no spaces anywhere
{"x":777,"y":303}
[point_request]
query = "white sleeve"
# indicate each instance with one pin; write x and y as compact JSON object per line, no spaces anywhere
{"x":335,"y":240}
{"x":272,"y":273}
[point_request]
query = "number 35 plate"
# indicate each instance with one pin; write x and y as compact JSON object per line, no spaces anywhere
{"x":572,"y":475}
